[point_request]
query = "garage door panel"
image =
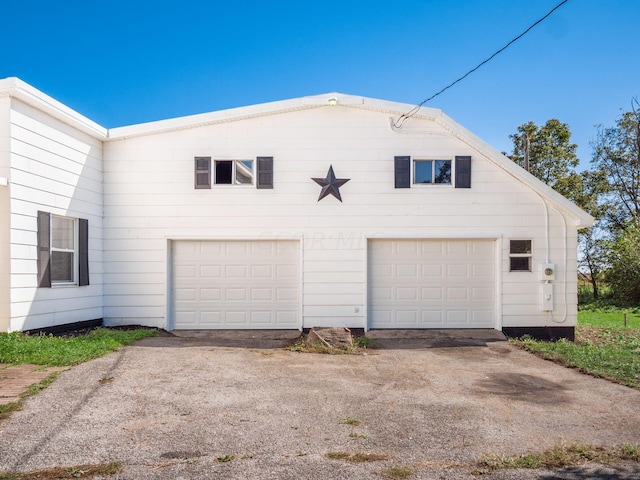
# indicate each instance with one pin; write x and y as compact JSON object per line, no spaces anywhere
{"x":432,"y":271}
{"x":457,"y":294}
{"x":432,"y":318}
{"x":431,"y":293}
{"x":457,"y":318}
{"x":410,"y":271}
{"x":236,"y":284}
{"x":210,"y":318}
{"x":210,"y":271}
{"x":431,"y":283}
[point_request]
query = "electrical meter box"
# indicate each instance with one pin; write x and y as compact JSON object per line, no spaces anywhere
{"x":548,"y":272}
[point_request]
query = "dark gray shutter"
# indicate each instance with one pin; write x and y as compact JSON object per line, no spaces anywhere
{"x":83,"y":251}
{"x":265,"y":172}
{"x":463,"y":172}
{"x":202,"y":172}
{"x":403,"y":172}
{"x":44,"y":249}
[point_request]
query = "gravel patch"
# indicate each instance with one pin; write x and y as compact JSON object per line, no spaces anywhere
{"x":184,"y":408}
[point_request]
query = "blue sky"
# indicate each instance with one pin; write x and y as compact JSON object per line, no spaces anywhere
{"x":125,"y":62}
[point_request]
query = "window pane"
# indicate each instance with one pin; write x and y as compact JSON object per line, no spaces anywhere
{"x":520,"y":264}
{"x":244,"y":172}
{"x":62,"y":232}
{"x":520,"y":246}
{"x":443,"y":171}
{"x":223,"y":171}
{"x":62,"y":267}
{"x":423,"y":171}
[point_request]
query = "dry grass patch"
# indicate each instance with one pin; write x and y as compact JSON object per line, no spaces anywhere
{"x":397,"y":472}
{"x":562,"y":456}
{"x":61,"y":473}
{"x":357,"y":457}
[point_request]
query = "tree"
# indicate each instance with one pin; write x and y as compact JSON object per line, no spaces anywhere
{"x":624,"y":274}
{"x":616,"y":151}
{"x":547,"y":153}
{"x":616,"y":156}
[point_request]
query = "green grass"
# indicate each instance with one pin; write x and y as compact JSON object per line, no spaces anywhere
{"x":609,"y":317}
{"x":48,"y":350}
{"x":603,"y":347}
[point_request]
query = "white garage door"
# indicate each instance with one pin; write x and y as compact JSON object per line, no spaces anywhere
{"x":432,"y":283}
{"x":236,"y":284}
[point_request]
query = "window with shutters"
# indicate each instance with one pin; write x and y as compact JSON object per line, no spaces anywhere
{"x":432,"y":172}
{"x":62,"y":250}
{"x":423,"y":171}
{"x":233,"y":172}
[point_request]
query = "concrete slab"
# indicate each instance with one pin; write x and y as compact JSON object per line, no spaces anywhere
{"x":435,"y":338}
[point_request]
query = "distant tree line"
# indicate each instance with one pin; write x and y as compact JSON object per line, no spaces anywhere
{"x":609,"y":251}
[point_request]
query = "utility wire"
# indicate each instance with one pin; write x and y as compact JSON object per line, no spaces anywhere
{"x":406,"y":116}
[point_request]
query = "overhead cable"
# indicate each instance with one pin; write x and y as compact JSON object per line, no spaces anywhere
{"x":399,"y":123}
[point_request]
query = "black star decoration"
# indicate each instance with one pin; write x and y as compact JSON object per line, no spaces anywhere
{"x":330,"y":184}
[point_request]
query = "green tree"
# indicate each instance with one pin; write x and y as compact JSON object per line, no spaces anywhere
{"x":547,"y":153}
{"x":616,"y":153}
{"x":624,"y":272}
{"x":616,"y":156}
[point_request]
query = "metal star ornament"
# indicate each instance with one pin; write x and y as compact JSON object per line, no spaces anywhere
{"x":330,"y":184}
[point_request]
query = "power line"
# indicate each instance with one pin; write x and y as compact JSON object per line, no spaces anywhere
{"x":406,"y":116}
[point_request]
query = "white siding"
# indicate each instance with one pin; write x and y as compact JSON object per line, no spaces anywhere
{"x":5,"y":263}
{"x":149,"y":198}
{"x":57,"y":169}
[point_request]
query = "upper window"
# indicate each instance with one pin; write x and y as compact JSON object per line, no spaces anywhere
{"x":233,"y":172}
{"x":63,"y":249}
{"x":432,"y":172}
{"x":520,"y":255}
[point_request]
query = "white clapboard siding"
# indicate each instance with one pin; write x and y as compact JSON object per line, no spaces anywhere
{"x":55,"y":168}
{"x":149,"y":197}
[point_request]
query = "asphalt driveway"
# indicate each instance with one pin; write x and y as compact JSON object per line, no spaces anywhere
{"x":175,"y":408}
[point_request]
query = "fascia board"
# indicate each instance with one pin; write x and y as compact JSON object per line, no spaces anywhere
{"x":519,"y":173}
{"x":16,"y":88}
{"x":263,"y":109}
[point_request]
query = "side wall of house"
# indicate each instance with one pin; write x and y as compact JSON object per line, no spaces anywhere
{"x":5,"y":271}
{"x":150,"y":199}
{"x":55,"y":168}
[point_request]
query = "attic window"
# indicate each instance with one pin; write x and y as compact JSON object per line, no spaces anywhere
{"x":233,"y":172}
{"x":432,"y":172}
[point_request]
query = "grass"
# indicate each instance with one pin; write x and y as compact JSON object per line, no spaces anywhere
{"x":225,"y":458}
{"x":610,"y":353}
{"x":359,"y":347}
{"x":603,"y":347}
{"x":609,"y":317}
{"x":49,"y":350}
{"x":357,"y":457}
{"x":561,"y":456}
{"x":60,"y":473}
{"x":398,"y":472}
{"x":8,"y":408}
{"x":350,"y":421}
{"x":54,"y":351}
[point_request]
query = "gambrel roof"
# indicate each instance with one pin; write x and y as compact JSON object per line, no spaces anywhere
{"x":16,"y":88}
